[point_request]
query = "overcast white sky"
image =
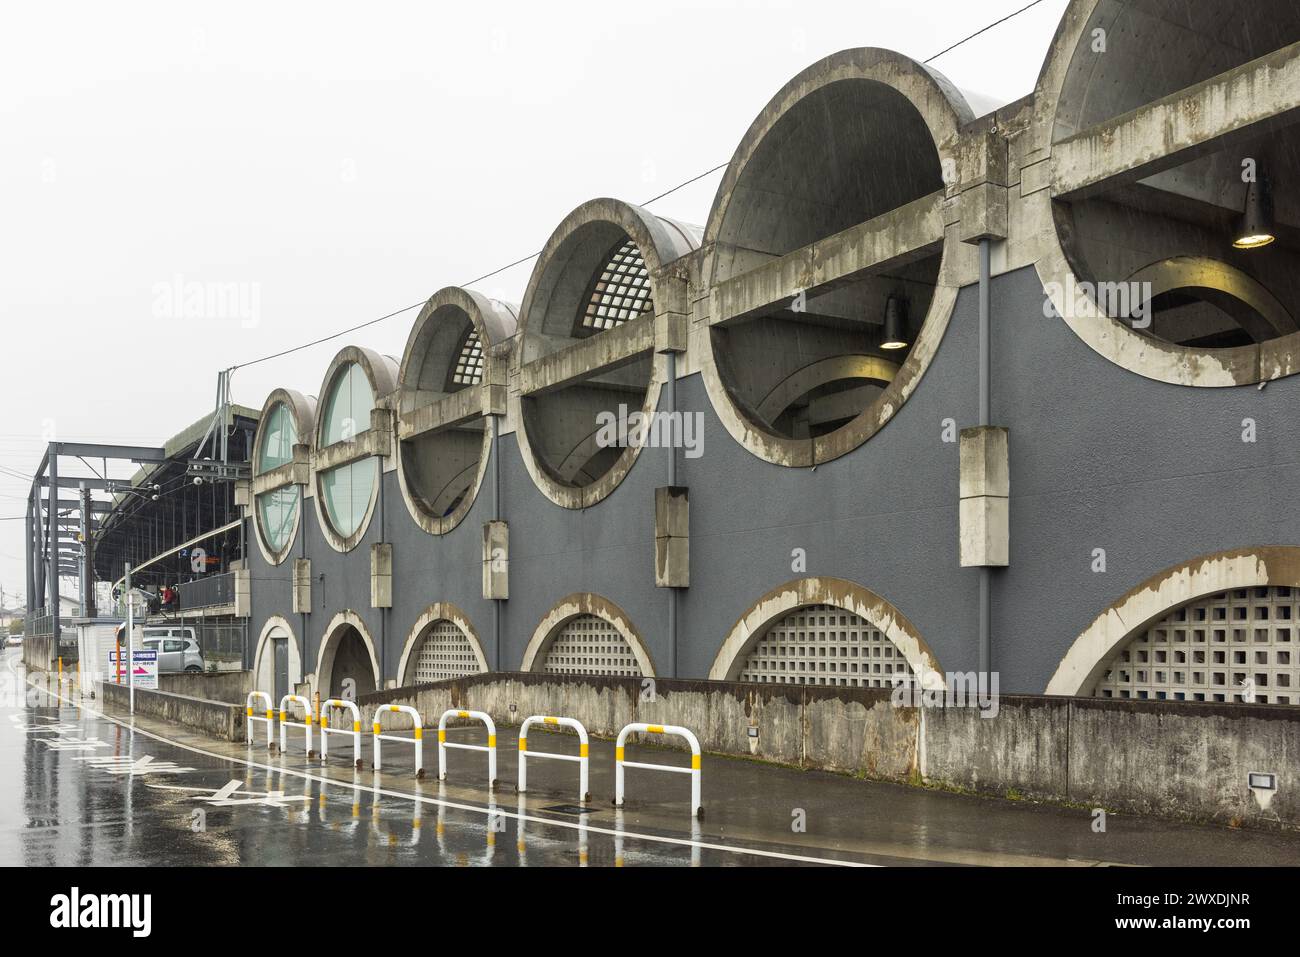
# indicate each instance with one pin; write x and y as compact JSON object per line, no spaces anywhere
{"x":341,"y":161}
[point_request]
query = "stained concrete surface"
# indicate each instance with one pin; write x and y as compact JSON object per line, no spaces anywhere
{"x":68,"y":797}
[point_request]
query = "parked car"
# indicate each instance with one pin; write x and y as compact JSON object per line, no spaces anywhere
{"x":175,"y":653}
{"x":178,"y":648}
{"x":14,"y":641}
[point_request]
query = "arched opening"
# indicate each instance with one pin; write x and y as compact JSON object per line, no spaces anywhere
{"x":824,"y":631}
{"x":589,"y":645}
{"x":827,"y":239}
{"x":1233,"y":201}
{"x":585,"y":356}
{"x":442,"y":649}
{"x":348,"y":666}
{"x":1243,"y":600}
{"x":444,"y":404}
{"x":277,"y":668}
{"x":585,"y":634}
{"x":824,"y":645}
{"x":1234,"y":646}
{"x":848,"y":152}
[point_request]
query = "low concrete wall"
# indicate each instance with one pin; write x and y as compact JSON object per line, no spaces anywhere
{"x":218,"y":719}
{"x":1173,"y":759}
{"x":229,"y":686}
{"x":37,"y":653}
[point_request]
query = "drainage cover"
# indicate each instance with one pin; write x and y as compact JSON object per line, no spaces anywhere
{"x":568,"y":809}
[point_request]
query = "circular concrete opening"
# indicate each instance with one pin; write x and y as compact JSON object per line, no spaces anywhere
{"x":817,"y":356}
{"x":1156,"y":252}
{"x":585,"y":356}
{"x":287,"y":420}
{"x":447,"y":363}
{"x":347,"y":487}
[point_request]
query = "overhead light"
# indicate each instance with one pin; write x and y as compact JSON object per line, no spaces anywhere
{"x":1257,"y":221}
{"x":895,"y":324}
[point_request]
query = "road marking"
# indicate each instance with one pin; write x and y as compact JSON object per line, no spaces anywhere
{"x":224,"y":795}
{"x":455,"y":805}
{"x":72,"y":744}
{"x":125,"y":764}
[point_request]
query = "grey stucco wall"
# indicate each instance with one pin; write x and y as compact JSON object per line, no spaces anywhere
{"x":1155,"y":474}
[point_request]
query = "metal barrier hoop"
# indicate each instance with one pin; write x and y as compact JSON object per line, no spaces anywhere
{"x":582,"y":757}
{"x":285,"y":723}
{"x":490,"y":747}
{"x":326,"y":730}
{"x":269,"y":719}
{"x":418,"y":740}
{"x":697,"y":809}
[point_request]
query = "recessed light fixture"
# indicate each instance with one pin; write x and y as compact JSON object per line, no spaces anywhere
{"x":1256,"y":230}
{"x":1262,"y":781}
{"x":895,"y":324}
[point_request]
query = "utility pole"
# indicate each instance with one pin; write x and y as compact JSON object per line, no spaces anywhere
{"x":88,"y":609}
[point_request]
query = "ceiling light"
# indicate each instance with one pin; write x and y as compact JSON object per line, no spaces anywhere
{"x":1257,"y":221}
{"x":895,"y":324}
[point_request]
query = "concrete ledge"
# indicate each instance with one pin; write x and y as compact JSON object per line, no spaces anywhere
{"x":1172,"y":759}
{"x":216,"y":719}
{"x":231,"y":687}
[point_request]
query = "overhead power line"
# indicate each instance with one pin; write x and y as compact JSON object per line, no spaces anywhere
{"x":984,"y":30}
{"x":520,"y":262}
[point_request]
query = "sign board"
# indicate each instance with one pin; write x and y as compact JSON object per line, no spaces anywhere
{"x":144,"y":665}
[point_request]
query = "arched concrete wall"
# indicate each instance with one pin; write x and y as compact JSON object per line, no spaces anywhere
{"x":329,"y":646}
{"x":1160,"y":594}
{"x":438,"y":611}
{"x":782,"y":600}
{"x":263,"y":663}
{"x":575,"y":606}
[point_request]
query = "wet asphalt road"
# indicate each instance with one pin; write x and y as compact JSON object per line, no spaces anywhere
{"x":78,"y":787}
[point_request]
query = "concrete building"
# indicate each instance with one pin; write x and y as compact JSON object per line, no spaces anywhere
{"x":937,"y":388}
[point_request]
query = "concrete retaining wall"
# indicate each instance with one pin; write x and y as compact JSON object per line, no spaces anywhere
{"x":229,"y":686}
{"x":1171,"y":759}
{"x":215,"y":718}
{"x":37,"y":652}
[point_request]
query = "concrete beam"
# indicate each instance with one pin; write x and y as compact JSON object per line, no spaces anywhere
{"x":586,"y":357}
{"x":910,"y":232}
{"x":451,"y":409}
{"x":1243,"y":102}
{"x":295,"y":472}
{"x":370,"y":442}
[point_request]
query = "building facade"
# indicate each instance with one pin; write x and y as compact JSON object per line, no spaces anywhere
{"x":931,"y":389}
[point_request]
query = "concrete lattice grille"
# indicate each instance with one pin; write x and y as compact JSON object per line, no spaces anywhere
{"x":825,"y":645}
{"x":445,"y":653}
{"x":1221,"y":648}
{"x":588,"y":645}
{"x":622,"y":291}
{"x":469,"y":363}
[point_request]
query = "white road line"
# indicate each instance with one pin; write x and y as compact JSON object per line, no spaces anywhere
{"x":489,"y":811}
